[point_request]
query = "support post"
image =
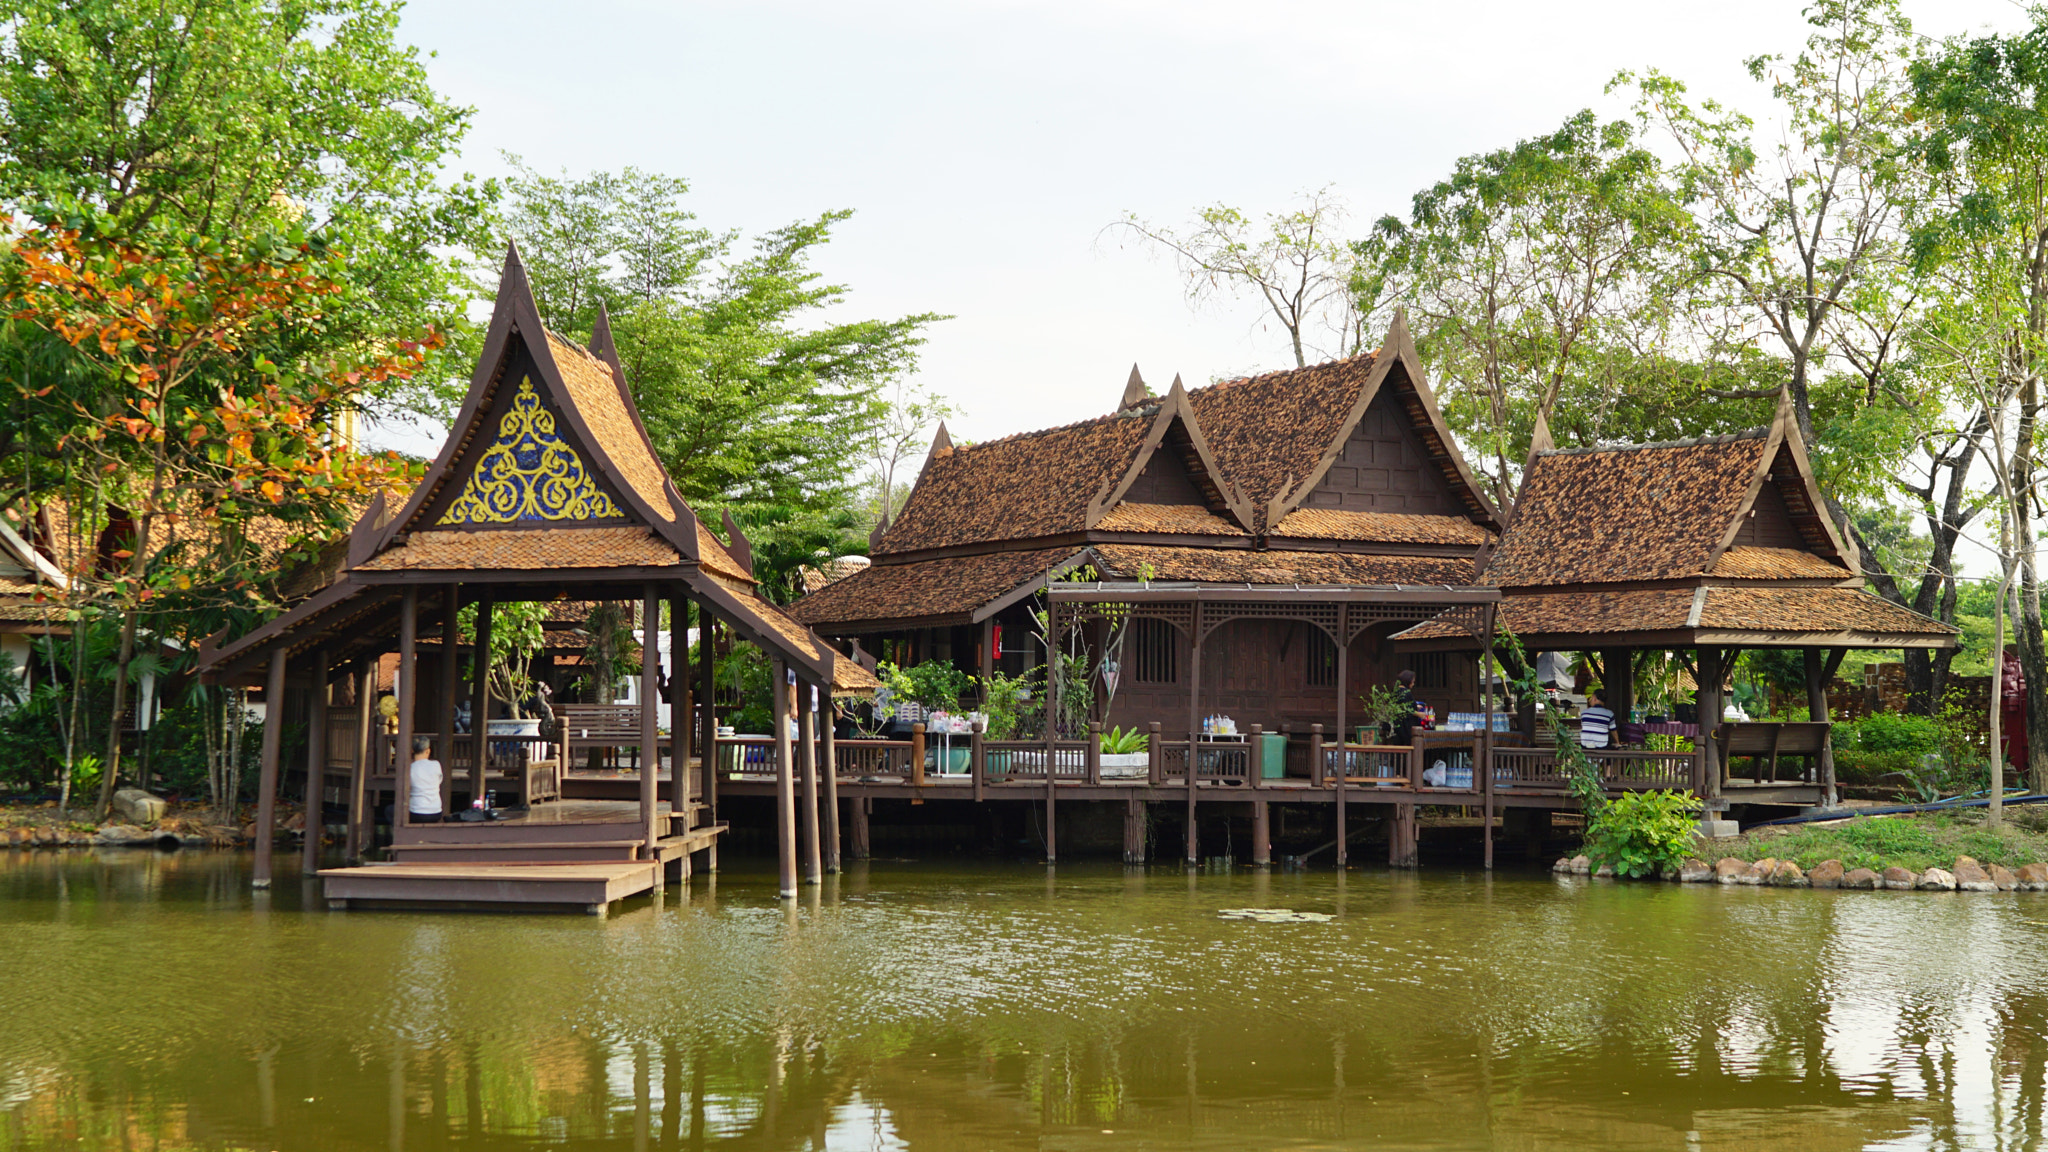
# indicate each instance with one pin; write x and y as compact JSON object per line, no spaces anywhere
{"x":1134,"y":830}
{"x":359,"y":821}
{"x":316,"y":765}
{"x":1483,"y":760}
{"x":785,"y":790}
{"x":1344,"y":753}
{"x":1053,"y":634}
{"x":1710,"y":675}
{"x":917,"y":754}
{"x":977,"y":760}
{"x":1817,"y":711}
{"x":1404,"y":846}
{"x":405,"y":686}
{"x":1252,"y":775}
{"x":1618,"y":681}
{"x":1092,"y":754}
{"x":1262,"y":833}
{"x":650,"y":732}
{"x":1194,"y":844}
{"x":832,"y":782}
{"x":858,"y":844}
{"x":480,"y":695}
{"x":680,"y":732}
{"x":1315,"y":755}
{"x":266,"y":783}
{"x":707,"y":677}
{"x":1155,"y":756}
{"x":444,"y":719}
{"x":807,"y":734}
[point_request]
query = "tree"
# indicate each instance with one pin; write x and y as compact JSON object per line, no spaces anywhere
{"x":201,"y":429}
{"x":909,"y":410}
{"x":1298,"y":267}
{"x":1528,"y":268}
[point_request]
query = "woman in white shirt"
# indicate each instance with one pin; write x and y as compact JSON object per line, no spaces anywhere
{"x":423,"y":805}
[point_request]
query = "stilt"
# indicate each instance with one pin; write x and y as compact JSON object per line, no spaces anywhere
{"x":682,"y":737}
{"x":831,"y":770}
{"x":1134,"y":831}
{"x":1051,"y":851}
{"x":266,"y":785}
{"x":360,"y":824}
{"x":650,"y":734}
{"x":807,"y":735}
{"x":444,"y":719}
{"x":857,"y":845}
{"x":1405,"y":844}
{"x":785,"y":789}
{"x":316,"y":766}
{"x":1262,"y":833}
{"x":405,"y":688}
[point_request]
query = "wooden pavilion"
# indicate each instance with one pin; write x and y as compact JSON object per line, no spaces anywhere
{"x":546,"y":489}
{"x":1710,"y":546}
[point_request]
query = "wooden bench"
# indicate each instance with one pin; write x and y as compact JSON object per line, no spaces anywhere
{"x":588,"y":728}
{"x":1766,"y":741}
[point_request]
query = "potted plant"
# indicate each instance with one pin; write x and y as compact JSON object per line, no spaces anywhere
{"x":1125,"y":754}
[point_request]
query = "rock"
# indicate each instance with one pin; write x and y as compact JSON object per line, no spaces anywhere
{"x":1971,"y":877}
{"x":1695,"y":872}
{"x":135,"y":806}
{"x":2002,"y":878}
{"x":1759,"y":872}
{"x":1604,"y":870}
{"x":1900,"y":879}
{"x":1827,"y":874}
{"x":1937,"y":880}
{"x":122,"y":834}
{"x":2034,"y":877}
{"x":1727,"y":868}
{"x":1581,"y":865}
{"x":1788,"y":875}
{"x":1564,"y":864}
{"x":1862,"y":878}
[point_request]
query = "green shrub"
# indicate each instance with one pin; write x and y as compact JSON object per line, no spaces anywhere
{"x":1855,"y":766}
{"x":1118,"y":742}
{"x":1643,"y":833}
{"x":1891,"y":732}
{"x":936,"y":684}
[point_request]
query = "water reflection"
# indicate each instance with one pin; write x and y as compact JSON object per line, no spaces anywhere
{"x":151,"y":1001}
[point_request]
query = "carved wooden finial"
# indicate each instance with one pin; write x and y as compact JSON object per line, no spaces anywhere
{"x":1177,"y":389}
{"x":741,"y":548}
{"x":515,"y":271}
{"x":1784,"y":416}
{"x":941,"y":444}
{"x":1539,"y":438}
{"x":601,"y":344}
{"x":1135,"y":392}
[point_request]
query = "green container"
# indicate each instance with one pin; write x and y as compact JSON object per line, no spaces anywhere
{"x":1269,"y":752}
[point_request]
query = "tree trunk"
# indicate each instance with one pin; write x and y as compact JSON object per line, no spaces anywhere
{"x":2033,"y":656}
{"x":110,"y":768}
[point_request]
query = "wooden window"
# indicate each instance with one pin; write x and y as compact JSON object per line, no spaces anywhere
{"x":1432,"y":670}
{"x":1322,"y":658}
{"x":1152,"y":644}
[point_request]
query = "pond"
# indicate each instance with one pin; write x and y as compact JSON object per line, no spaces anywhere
{"x":152,"y":1001}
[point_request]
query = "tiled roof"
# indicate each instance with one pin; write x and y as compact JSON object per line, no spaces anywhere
{"x":1380,"y":527}
{"x":850,"y":679}
{"x":1650,"y":513}
{"x":1592,"y":614}
{"x":1240,"y":565}
{"x":767,"y":617}
{"x":954,"y":585}
{"x":1750,"y":562}
{"x":527,"y":548}
{"x":598,"y":401}
{"x":1178,"y":519}
{"x":1036,"y":484}
{"x":1813,"y":610}
{"x":831,"y":572}
{"x":713,"y":556}
{"x":1268,"y":432}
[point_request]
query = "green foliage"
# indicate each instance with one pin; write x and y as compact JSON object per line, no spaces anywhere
{"x":936,"y":684}
{"x":1385,"y":706}
{"x":1005,"y":700}
{"x":517,"y":636}
{"x":1918,"y":842}
{"x":1643,"y":833}
{"x":746,"y":673}
{"x":608,"y":648}
{"x":1889,"y":732}
{"x":1118,"y":742}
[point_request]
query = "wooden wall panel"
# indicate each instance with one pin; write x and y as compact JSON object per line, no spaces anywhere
{"x":1382,"y":468}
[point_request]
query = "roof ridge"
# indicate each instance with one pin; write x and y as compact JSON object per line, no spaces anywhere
{"x":1252,"y":376}
{"x":1757,"y":433}
{"x":1148,"y":409}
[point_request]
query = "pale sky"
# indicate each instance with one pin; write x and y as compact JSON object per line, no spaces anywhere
{"x":984,"y":146}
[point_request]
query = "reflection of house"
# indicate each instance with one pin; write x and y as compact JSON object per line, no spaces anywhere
{"x":1319,"y":491}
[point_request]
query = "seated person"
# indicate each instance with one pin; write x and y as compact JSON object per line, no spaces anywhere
{"x":423,"y":803}
{"x":1596,"y":722}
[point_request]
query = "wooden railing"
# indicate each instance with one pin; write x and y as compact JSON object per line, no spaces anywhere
{"x":1621,"y":770}
{"x":858,"y":758}
{"x":1370,"y":765}
{"x":1004,"y":760}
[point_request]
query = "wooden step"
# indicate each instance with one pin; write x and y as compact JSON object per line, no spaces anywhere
{"x":683,"y":843}
{"x":588,"y":887}
{"x":529,"y":852}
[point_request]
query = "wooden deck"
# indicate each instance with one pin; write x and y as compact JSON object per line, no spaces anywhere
{"x":590,"y":887}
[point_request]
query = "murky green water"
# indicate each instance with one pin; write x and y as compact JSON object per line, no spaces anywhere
{"x":151,"y":1001}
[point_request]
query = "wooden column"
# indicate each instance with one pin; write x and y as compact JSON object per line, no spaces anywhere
{"x":1817,"y":711}
{"x":1193,"y":838}
{"x":1618,"y":682}
{"x":1134,"y":831}
{"x":480,"y":690}
{"x":679,"y":712}
{"x":405,"y":686}
{"x":785,"y":790}
{"x":858,"y":845}
{"x":650,"y":732}
{"x":360,"y":822}
{"x":1483,"y":757}
{"x":1052,"y":723}
{"x":451,"y":605}
{"x":1710,"y":675}
{"x":1403,"y":846}
{"x":316,"y":765}
{"x":807,"y":735}
{"x":831,"y":771}
{"x":707,"y":737}
{"x":1262,"y":832}
{"x":266,"y":781}
{"x":1344,"y":752}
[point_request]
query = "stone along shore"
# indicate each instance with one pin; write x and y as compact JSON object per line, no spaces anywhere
{"x":1967,"y":875}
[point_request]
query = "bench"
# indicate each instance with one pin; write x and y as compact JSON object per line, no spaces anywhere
{"x":1766,"y":741}
{"x":588,"y":729}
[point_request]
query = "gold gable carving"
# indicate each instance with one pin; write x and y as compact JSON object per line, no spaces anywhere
{"x":529,"y":473}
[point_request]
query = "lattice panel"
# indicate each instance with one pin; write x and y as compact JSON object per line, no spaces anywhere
{"x":1324,"y":615}
{"x":1181,"y":616}
{"x":1359,"y":617}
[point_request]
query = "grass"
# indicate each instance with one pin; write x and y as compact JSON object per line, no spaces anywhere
{"x":1919,"y":842}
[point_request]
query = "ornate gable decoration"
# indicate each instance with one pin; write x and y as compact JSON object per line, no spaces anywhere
{"x":529,"y":473}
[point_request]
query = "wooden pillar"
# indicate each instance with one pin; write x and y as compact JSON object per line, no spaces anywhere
{"x":831,"y":771}
{"x":316,"y":765}
{"x":405,"y":685}
{"x":680,"y":731}
{"x":707,"y":738}
{"x":1404,"y":846}
{"x":650,"y":731}
{"x":1052,"y":723}
{"x":266,"y":783}
{"x":360,"y":823}
{"x":1817,"y":711}
{"x":1710,"y":675}
{"x":785,"y":789}
{"x":451,"y":606}
{"x":1618,"y":681}
{"x":1482,"y":759}
{"x":1134,"y":831}
{"x":807,"y":734}
{"x":1344,"y":754}
{"x":858,"y":846}
{"x":480,"y":693}
{"x":1194,"y":845}
{"x":1262,"y":833}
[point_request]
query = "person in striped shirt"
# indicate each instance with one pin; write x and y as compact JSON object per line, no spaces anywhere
{"x":1596,"y":722}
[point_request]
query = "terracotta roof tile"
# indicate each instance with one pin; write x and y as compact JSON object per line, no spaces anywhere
{"x":598,"y":401}
{"x":527,"y":548}
{"x":954,"y":585}
{"x":850,"y":679}
{"x":1380,"y":527}
{"x":713,"y":556}
{"x":767,"y":617}
{"x":1813,"y":610}
{"x":1547,"y":613}
{"x":1036,"y":484}
{"x":1592,"y":614}
{"x":1751,"y":562}
{"x":1179,"y":519}
{"x":1650,"y":513}
{"x":1269,"y":432}
{"x":1279,"y":566}
{"x":831,"y":572}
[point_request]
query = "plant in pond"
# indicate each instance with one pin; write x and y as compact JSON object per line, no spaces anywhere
{"x":1122,"y":742}
{"x":1643,"y":833}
